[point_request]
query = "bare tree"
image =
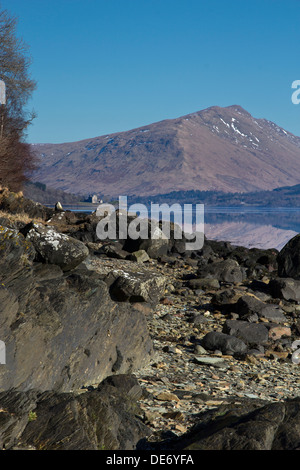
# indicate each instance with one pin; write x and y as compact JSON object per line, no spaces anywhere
{"x":16,"y":157}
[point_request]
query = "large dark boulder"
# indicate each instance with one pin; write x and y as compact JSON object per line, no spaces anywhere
{"x":85,"y":229}
{"x":136,"y":286}
{"x":289,"y":259}
{"x":227,"y":344}
{"x":62,"y":219}
{"x":54,"y":247}
{"x":155,"y":247}
{"x":255,"y":260}
{"x":285,"y":288}
{"x":251,"y":333}
{"x":251,"y":309}
{"x":16,"y":253}
{"x":227,"y":271}
{"x":63,"y":330}
{"x":225,"y":298}
{"x":113,"y":250}
{"x":103,"y":419}
{"x":249,"y":425}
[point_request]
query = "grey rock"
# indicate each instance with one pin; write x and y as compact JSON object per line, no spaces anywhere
{"x":225,"y":343}
{"x":155,"y":248}
{"x":113,"y":250}
{"x":259,"y":351}
{"x":198,"y":319}
{"x":125,"y":383}
{"x":289,"y":259}
{"x":62,"y":330}
{"x":224,"y":298}
{"x":250,"y":308}
{"x":55,"y":248}
{"x":273,"y":313}
{"x":251,"y":333}
{"x":225,"y":271}
{"x":210,"y":361}
{"x":199,"y":350}
{"x":138,"y":287}
{"x":62,"y":219}
{"x":156,"y":245}
{"x":16,"y":253}
{"x":140,"y":256}
{"x":251,"y":425}
{"x":285,"y":288}
{"x":203,"y":283}
{"x":58,"y":206}
{"x":104,"y":419}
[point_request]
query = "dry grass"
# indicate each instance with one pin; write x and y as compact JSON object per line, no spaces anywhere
{"x":21,"y":217}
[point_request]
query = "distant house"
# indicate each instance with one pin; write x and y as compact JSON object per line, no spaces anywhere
{"x":94,"y":199}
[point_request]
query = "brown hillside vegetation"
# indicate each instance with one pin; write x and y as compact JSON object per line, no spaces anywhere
{"x":17,"y":160}
{"x":223,"y":149}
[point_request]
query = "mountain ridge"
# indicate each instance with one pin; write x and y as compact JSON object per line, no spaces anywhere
{"x":219,"y":149}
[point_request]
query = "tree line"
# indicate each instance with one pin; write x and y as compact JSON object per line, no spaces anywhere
{"x":17,"y":158}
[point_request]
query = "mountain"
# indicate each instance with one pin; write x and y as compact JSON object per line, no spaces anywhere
{"x":216,"y":149}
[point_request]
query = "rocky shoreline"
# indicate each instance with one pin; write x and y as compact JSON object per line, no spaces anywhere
{"x":141,"y":345}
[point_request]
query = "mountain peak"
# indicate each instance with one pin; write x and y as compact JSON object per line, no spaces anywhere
{"x":220,"y":149}
{"x":238,"y":109}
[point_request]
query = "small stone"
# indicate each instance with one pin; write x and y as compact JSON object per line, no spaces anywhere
{"x":172,"y":349}
{"x":251,"y":395}
{"x":278,"y":331}
{"x":215,"y":377}
{"x":251,"y":359}
{"x":199,"y":350}
{"x":217,"y":352}
{"x":198,"y":319}
{"x":210,"y":361}
{"x":276,"y":354}
{"x":140,"y":256}
{"x":180,"y":428}
{"x":178,"y":351}
{"x":167,"y":317}
{"x":166,"y":301}
{"x":150,"y":416}
{"x":176,"y":415}
{"x":58,"y":206}
{"x":218,"y":315}
{"x":160,"y":365}
{"x":167,"y":396}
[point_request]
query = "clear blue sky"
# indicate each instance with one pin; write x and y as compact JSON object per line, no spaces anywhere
{"x":108,"y":66}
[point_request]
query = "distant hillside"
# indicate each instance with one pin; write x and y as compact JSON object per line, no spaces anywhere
{"x":40,"y":192}
{"x":287,"y":196}
{"x":217,"y":149}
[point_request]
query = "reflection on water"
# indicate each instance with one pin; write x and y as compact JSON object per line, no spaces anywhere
{"x":262,"y":227}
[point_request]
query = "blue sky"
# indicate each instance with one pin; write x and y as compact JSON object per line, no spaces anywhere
{"x":109,"y":66}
